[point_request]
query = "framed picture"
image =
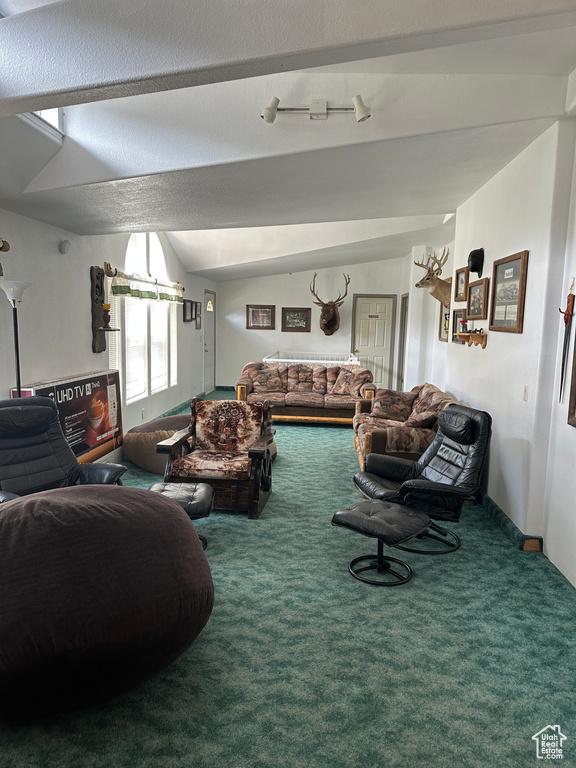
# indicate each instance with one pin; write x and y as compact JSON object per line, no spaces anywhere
{"x":198,"y":308}
{"x":198,"y":322}
{"x":457,"y":316}
{"x":461,"y":284}
{"x":477,"y":300}
{"x":261,"y":317}
{"x":188,"y":310}
{"x":508,"y":293}
{"x":296,"y":319}
{"x":444,"y":319}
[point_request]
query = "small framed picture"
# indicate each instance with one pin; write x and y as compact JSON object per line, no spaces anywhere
{"x":444,"y":319}
{"x":443,"y":323}
{"x":458,"y":318}
{"x":508,"y":293}
{"x":461,"y":284}
{"x":296,"y":319}
{"x":261,"y":317}
{"x":188,"y":310}
{"x":477,"y":304}
{"x":198,"y":322}
{"x":198,"y":309}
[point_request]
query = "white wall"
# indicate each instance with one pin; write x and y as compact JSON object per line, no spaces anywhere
{"x":55,"y":321}
{"x":560,"y":520}
{"x":524,"y":207}
{"x":237,"y":346}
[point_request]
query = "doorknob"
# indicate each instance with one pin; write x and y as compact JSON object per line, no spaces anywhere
{"x":356,"y":351}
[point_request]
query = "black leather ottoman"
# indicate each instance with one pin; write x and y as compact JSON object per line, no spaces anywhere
{"x":196,"y":499}
{"x":390,"y":524}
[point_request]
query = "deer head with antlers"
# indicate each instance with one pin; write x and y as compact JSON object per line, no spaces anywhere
{"x":440,"y":289}
{"x":329,"y":316}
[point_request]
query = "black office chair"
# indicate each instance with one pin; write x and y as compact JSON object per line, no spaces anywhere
{"x":443,"y":478}
{"x":35,"y":456}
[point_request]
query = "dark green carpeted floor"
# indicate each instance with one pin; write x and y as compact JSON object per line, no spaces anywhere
{"x":301,"y":666}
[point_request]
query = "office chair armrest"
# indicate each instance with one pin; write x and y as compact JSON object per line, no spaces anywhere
{"x":7,"y":496}
{"x":429,"y":493}
{"x":99,"y":474}
{"x":177,"y":444}
{"x":390,"y":467}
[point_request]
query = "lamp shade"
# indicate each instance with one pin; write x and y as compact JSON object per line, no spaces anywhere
{"x":14,"y":289}
{"x":361,"y":110}
{"x":268,"y":114}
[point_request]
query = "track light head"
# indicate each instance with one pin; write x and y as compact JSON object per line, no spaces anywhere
{"x":360,"y":109}
{"x":268,"y":114}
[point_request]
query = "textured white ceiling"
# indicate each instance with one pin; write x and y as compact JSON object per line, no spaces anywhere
{"x":240,"y":197}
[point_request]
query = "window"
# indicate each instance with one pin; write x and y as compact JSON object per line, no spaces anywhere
{"x":54,"y":117}
{"x":146,"y":353}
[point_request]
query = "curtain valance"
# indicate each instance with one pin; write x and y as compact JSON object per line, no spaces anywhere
{"x":145,"y":287}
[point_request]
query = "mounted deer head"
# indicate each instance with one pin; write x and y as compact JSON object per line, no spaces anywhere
{"x":329,"y":316}
{"x":440,"y":289}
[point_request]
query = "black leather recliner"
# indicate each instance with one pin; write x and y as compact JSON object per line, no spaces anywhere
{"x":34,"y":454}
{"x":443,"y":478}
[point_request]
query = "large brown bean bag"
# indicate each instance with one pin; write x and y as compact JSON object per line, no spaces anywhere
{"x":140,"y":442}
{"x":100,"y":588}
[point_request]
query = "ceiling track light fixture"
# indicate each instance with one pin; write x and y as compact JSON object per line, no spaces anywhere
{"x":318,"y":110}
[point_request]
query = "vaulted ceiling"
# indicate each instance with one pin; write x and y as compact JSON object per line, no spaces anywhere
{"x":164,"y":133}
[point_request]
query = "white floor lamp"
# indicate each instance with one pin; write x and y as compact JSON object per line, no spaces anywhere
{"x":14,"y":290}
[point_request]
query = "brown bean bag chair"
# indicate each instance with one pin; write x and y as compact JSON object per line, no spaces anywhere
{"x":140,"y":442}
{"x":100,"y":588}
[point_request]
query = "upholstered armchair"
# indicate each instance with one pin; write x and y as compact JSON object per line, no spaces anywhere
{"x":228,"y":446}
{"x":35,"y":455}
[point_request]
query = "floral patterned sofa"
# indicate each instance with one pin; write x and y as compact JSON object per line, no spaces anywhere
{"x":402,"y":424}
{"x":306,"y":392}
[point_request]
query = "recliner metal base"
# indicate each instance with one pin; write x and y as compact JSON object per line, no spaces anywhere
{"x":448,"y":538}
{"x":384,"y":566}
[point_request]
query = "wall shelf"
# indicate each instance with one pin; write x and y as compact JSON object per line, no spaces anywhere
{"x":474,"y":338}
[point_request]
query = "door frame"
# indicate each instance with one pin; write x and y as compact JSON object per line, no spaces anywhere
{"x":394,"y":297}
{"x":210,"y":294}
{"x":402,"y":331}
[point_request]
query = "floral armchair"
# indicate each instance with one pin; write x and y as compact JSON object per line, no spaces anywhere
{"x":227,"y":446}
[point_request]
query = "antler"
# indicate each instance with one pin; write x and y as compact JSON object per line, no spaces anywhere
{"x":340,"y":299}
{"x":435,"y":263}
{"x":313,"y":290}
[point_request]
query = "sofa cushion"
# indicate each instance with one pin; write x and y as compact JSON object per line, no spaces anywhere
{"x":342,"y":383}
{"x":319,"y":379}
{"x":213,"y":465}
{"x":392,"y":404}
{"x":227,"y":425}
{"x":422,"y":420}
{"x":431,"y":398}
{"x":307,"y":399}
{"x":340,"y":401}
{"x":267,"y":380}
{"x":349,"y":381}
{"x":273,"y":398}
{"x":300,"y":378}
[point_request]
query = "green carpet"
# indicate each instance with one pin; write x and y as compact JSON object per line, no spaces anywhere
{"x":302,"y":666}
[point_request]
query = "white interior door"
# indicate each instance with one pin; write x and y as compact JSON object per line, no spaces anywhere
{"x":374,"y":319}
{"x":209,"y":312}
